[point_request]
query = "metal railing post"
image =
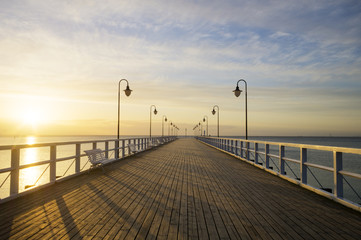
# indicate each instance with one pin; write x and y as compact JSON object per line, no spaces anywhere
{"x":241,"y":149}
{"x":106,"y":149}
{"x":247,"y":150}
{"x":281,"y":160}
{"x":52,"y":163}
{"x":303,"y":167}
{"x":116,"y":146}
{"x":337,"y":177}
{"x":266,"y":148}
{"x":123,"y":148}
{"x":14,"y":174}
{"x":77,"y":158}
{"x":236,"y":147}
{"x":256,"y":153}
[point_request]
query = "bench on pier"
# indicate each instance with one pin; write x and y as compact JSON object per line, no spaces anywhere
{"x":133,"y":148}
{"x":152,"y":144}
{"x":97,"y":158}
{"x":160,"y":141}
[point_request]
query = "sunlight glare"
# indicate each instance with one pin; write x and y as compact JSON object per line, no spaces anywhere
{"x":32,"y":117}
{"x":28,"y":176}
{"x":30,"y":140}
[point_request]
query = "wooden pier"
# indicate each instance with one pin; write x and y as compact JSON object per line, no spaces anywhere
{"x":182,"y":190}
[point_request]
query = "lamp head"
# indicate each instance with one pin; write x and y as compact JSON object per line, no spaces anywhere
{"x":237,"y":92}
{"x":155,"y":111}
{"x":165,"y":119}
{"x":128,"y":91}
{"x":213,"y":111}
{"x":204,"y":119}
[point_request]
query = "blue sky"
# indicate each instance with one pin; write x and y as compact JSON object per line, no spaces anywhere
{"x":301,"y":60}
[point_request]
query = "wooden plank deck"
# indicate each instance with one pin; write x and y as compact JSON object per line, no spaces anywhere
{"x":181,"y":190}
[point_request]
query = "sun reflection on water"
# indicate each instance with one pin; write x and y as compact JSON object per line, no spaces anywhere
{"x":28,"y":176}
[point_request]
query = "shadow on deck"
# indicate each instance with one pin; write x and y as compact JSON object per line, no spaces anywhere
{"x":184,"y":189}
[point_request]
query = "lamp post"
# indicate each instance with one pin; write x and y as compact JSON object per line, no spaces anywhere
{"x":201,"y":128}
{"x":171,"y":129}
{"x":237,"y":93}
{"x":174,"y":130}
{"x":194,"y":129}
{"x":214,"y":112}
{"x":164,"y":119}
{"x":127,"y":93}
{"x":155,"y":113}
{"x":204,"y":119}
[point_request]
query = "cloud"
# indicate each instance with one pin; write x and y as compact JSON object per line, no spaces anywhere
{"x":181,"y":54}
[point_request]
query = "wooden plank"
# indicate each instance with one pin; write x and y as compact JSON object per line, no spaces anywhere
{"x":181,"y":190}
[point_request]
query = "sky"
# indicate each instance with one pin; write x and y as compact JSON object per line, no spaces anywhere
{"x":61,"y":62}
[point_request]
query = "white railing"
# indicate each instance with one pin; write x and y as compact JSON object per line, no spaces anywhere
{"x":334,"y":172}
{"x":55,"y":162}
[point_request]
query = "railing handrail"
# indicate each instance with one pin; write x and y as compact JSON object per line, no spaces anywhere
{"x":298,"y":145}
{"x":48,"y":144}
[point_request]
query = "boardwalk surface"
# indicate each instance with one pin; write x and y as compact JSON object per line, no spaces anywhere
{"x":181,"y":190}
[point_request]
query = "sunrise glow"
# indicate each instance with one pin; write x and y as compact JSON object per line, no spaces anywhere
{"x":60,"y":66}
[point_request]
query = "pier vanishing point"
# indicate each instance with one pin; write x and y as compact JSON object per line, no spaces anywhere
{"x":180,"y":190}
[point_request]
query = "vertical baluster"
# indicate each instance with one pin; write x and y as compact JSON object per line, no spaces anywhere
{"x":106,"y":149}
{"x":77,"y":158}
{"x":303,"y":167}
{"x":116,"y":146}
{"x":52,"y":163}
{"x":123,"y":148}
{"x":94,"y":145}
{"x":247,"y":150}
{"x":241,"y":149}
{"x":337,"y":177}
{"x":281,"y":154}
{"x":236,"y":147}
{"x":266,"y":147}
{"x":256,"y":153}
{"x":14,"y":177}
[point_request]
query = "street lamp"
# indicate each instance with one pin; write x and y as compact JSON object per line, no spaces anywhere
{"x":164,"y":119}
{"x":194,"y":129}
{"x":237,"y":93}
{"x":155,"y":113}
{"x":214,"y":112}
{"x":201,"y":128}
{"x":127,"y":93}
{"x":204,"y":119}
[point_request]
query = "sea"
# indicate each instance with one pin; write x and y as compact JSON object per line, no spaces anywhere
{"x":35,"y":176}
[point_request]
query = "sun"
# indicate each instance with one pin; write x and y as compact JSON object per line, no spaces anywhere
{"x":33,"y":117}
